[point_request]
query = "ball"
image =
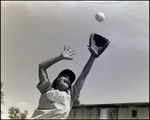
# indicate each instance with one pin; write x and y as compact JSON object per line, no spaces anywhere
{"x":100,"y":16}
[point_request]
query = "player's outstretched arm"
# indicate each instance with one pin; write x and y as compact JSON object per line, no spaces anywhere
{"x":81,"y":79}
{"x":97,"y":45}
{"x":65,"y":55}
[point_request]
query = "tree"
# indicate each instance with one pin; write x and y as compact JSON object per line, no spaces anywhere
{"x":14,"y":113}
{"x":2,"y":95}
{"x":24,"y":115}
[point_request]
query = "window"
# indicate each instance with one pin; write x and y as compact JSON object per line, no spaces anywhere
{"x":134,"y":113}
{"x":98,"y":112}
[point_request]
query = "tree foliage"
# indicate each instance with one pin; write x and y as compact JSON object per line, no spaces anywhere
{"x":14,"y":113}
{"x":24,"y":115}
{"x":2,"y":94}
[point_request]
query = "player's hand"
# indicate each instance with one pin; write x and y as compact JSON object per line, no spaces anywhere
{"x":67,"y":53}
{"x":97,"y":44}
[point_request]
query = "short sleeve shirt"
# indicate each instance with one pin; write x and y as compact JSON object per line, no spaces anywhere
{"x":54,"y":104}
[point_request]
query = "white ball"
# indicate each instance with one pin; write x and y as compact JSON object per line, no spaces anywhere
{"x":100,"y":16}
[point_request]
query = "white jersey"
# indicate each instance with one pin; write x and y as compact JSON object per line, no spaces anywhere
{"x":54,"y":104}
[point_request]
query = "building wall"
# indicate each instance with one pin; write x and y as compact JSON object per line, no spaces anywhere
{"x":89,"y":113}
{"x":94,"y":112}
{"x":133,"y":113}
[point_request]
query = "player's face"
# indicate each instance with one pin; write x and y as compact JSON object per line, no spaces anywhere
{"x":63,"y":83}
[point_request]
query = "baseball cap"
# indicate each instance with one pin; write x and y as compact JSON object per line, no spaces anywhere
{"x":69,"y":73}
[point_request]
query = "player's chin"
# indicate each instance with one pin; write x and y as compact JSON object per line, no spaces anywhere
{"x":63,"y":88}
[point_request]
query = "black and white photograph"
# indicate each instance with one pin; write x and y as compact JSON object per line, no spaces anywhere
{"x":74,"y":59}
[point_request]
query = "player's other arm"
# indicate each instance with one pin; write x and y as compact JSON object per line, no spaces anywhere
{"x":66,"y":54}
{"x":81,"y":79}
{"x":43,"y":76}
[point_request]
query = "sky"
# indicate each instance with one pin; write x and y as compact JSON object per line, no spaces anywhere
{"x":34,"y":31}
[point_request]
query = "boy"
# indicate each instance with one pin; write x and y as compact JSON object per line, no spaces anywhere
{"x":58,"y":98}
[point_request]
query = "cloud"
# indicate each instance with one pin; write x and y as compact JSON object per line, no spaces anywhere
{"x":22,"y":104}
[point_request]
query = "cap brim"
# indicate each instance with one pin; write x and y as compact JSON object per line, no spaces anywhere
{"x":69,"y":73}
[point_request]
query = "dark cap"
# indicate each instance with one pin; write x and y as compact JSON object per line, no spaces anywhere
{"x":69,"y":73}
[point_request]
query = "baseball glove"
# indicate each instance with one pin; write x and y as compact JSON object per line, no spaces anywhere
{"x":97,"y":44}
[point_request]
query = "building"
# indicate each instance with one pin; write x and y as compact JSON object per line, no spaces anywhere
{"x":111,"y":111}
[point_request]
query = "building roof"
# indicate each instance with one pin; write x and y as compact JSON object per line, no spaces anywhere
{"x":136,"y":104}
